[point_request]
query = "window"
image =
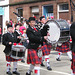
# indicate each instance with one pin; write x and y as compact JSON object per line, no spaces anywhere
{"x":64,"y":7}
{"x":2,"y":0}
{"x":20,"y":12}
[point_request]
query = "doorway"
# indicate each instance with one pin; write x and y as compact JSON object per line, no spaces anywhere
{"x":48,"y":11}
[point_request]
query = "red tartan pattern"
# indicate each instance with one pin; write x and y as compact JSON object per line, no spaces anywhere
{"x":63,"y":48}
{"x":73,"y":62}
{"x":10,"y":59}
{"x":46,"y":48}
{"x":32,"y":57}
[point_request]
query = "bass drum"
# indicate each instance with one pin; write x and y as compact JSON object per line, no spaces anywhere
{"x":59,"y":31}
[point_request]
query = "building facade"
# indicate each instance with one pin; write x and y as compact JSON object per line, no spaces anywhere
{"x":4,"y":13}
{"x":60,"y":9}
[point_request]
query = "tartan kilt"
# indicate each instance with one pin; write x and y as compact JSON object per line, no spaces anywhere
{"x":10,"y":59}
{"x":63,"y":48}
{"x":46,"y":48}
{"x":32,"y":57}
{"x":73,"y":62}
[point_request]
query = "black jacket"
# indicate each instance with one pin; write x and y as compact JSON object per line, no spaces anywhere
{"x":5,"y":41}
{"x":72,"y":32}
{"x":35,"y":38}
{"x":44,"y":29}
{"x":16,"y":34}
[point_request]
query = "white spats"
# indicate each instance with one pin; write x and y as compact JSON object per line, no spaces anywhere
{"x":37,"y":70}
{"x":8,"y":66}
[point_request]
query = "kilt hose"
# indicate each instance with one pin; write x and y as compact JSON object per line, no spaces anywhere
{"x":64,"y":48}
{"x":32,"y":57}
{"x":46,"y":48}
{"x":10,"y":59}
{"x":73,"y":62}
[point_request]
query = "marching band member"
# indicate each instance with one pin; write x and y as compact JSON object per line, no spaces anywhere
{"x":46,"y":48}
{"x":8,"y":40}
{"x":17,"y":33}
{"x":63,"y":48}
{"x":72,"y":32}
{"x":35,"y":40}
{"x":18,"y":36}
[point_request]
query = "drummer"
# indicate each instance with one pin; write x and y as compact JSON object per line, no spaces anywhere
{"x":46,"y":48}
{"x":8,"y":40}
{"x":64,"y":48}
{"x":17,"y":34}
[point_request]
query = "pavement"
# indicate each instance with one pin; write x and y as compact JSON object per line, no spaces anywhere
{"x":62,"y":67}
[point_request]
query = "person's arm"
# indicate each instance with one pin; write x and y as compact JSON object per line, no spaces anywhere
{"x":16,"y":37}
{"x":5,"y":40}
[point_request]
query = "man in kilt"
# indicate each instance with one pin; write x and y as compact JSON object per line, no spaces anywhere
{"x":72,"y":32}
{"x":7,"y":40}
{"x":35,"y":40}
{"x":63,"y":48}
{"x":46,"y":47}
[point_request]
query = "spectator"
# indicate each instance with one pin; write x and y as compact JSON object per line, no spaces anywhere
{"x":0,"y":33}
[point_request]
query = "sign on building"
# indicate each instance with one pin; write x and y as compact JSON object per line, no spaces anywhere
{"x":1,"y":11}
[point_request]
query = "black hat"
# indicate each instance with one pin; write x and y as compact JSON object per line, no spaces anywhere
{"x":9,"y":25}
{"x":31,"y":19}
{"x":42,"y":17}
{"x":16,"y":25}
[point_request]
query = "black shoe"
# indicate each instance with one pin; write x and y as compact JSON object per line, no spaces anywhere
{"x":70,"y":59}
{"x":23,"y":61}
{"x":42,"y":65}
{"x":9,"y":73}
{"x":49,"y":68}
{"x":58,"y":59}
{"x":15,"y":72}
{"x":27,"y":73}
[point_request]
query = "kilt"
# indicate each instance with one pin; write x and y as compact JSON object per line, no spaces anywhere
{"x":46,"y":48}
{"x":32,"y":57}
{"x":63,"y":48}
{"x":73,"y":62}
{"x":10,"y":59}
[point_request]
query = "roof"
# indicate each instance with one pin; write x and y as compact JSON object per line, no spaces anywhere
{"x":28,"y":1}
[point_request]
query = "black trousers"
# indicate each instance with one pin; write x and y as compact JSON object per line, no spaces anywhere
{"x":0,"y":37}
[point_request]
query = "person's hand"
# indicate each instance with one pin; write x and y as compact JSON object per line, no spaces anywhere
{"x":27,"y":41}
{"x":45,"y":37}
{"x":10,"y":43}
{"x":19,"y":37}
{"x":48,"y":34}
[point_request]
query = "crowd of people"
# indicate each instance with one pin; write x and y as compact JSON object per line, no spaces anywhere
{"x":35,"y":34}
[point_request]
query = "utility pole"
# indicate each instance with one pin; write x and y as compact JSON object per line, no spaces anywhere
{"x":72,"y":5}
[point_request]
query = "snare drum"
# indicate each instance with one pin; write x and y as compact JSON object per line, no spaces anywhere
{"x":18,"y":51}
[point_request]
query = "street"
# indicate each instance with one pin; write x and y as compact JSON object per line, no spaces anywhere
{"x":58,"y":67}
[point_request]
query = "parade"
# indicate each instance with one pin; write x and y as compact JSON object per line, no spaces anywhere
{"x":36,"y":43}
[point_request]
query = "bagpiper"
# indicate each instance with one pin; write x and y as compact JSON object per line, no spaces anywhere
{"x":34,"y":47}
